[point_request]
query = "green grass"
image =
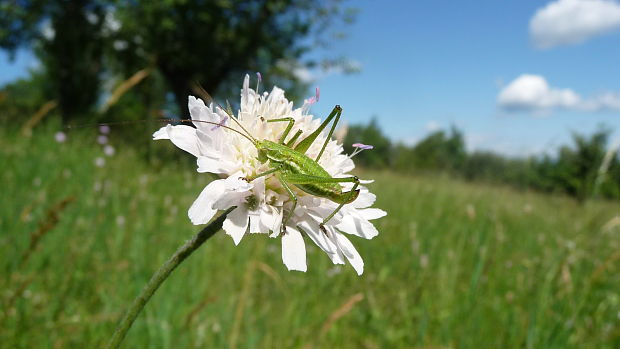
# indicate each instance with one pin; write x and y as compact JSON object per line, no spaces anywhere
{"x":455,"y":265}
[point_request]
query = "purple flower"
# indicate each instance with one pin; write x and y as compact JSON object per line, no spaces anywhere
{"x":104,"y":129}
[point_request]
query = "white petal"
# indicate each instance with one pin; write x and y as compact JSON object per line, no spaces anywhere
{"x":162,"y":133}
{"x":350,"y":253}
{"x":236,"y":224}
{"x":245,"y":93}
{"x":357,"y":226}
{"x":364,"y":199}
{"x":294,"y":250}
{"x":202,"y":209}
{"x":270,"y":219}
{"x":320,"y":239}
{"x":212,"y":165}
{"x":195,"y":107}
{"x":255,"y":222}
{"x":371,"y":213}
{"x":235,"y":193}
{"x":312,"y":230}
{"x":182,"y":136}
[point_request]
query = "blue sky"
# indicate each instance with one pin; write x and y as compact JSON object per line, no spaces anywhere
{"x":435,"y":63}
{"x":429,"y":64}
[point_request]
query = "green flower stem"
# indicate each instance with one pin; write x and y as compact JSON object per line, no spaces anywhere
{"x":160,"y":276}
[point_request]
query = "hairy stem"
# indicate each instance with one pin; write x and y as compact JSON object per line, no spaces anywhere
{"x":161,"y":275}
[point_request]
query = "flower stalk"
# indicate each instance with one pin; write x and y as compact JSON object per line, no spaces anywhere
{"x":161,"y":275}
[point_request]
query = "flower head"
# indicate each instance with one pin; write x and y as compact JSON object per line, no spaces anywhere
{"x":262,"y":203}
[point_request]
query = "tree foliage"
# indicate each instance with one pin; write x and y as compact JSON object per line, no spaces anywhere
{"x":67,"y":36}
{"x":212,"y":42}
{"x":583,"y":169}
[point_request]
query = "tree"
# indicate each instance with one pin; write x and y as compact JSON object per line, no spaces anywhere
{"x":440,"y":151}
{"x":215,"y":42}
{"x":207,"y":41}
{"x":67,"y":37}
{"x":578,"y":165}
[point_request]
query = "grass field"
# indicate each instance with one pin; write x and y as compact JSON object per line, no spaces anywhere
{"x":455,"y":265}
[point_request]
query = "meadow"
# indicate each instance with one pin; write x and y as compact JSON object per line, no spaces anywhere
{"x":456,"y":265}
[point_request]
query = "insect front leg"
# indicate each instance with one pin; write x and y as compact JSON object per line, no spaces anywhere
{"x":290,"y":121}
{"x":266,"y":173}
{"x":293,"y":198}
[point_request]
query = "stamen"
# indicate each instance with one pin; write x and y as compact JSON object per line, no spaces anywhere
{"x":260,"y":78}
{"x":224,"y":119}
{"x":362,"y":146}
{"x":317,"y":93}
{"x":359,"y":147}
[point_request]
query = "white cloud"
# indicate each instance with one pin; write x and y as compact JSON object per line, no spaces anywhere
{"x":47,"y":31}
{"x":432,"y":126}
{"x":532,"y":93}
{"x":303,"y":74}
{"x":564,"y":22}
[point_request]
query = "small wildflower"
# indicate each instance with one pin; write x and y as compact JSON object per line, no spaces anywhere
{"x":60,"y":137}
{"x":109,"y":150}
{"x":99,"y":161}
{"x":102,"y":139}
{"x":104,"y":129}
{"x":120,"y":220}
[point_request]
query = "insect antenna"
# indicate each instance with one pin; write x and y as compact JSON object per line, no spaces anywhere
{"x":161,"y":120}
{"x":200,"y":91}
{"x":251,"y":139}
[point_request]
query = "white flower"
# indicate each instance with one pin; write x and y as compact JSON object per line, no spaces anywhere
{"x":99,"y":161}
{"x":102,"y":139}
{"x":104,"y":129}
{"x":109,"y":150}
{"x":262,"y":203}
{"x":60,"y":137}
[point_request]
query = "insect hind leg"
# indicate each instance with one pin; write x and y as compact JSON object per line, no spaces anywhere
{"x":352,"y":195}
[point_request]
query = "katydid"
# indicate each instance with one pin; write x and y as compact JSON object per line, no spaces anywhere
{"x":291,"y":166}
